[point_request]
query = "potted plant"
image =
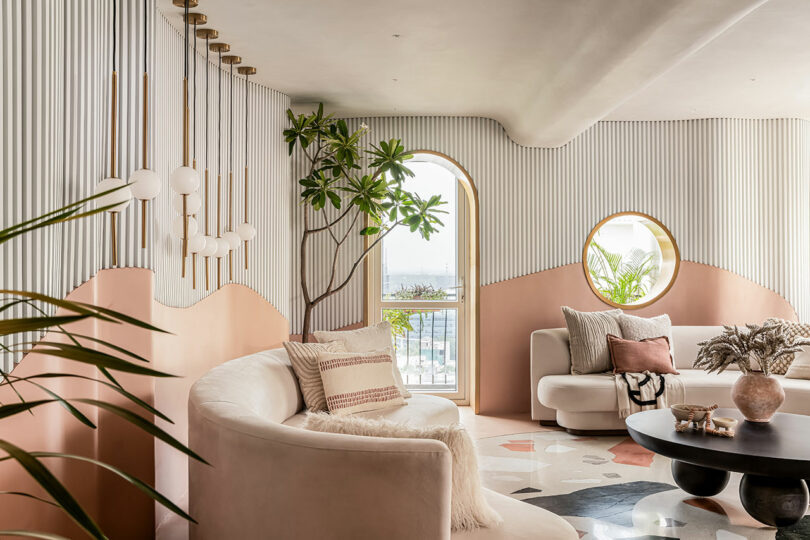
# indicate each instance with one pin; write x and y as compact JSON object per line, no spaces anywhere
{"x":754,"y":349}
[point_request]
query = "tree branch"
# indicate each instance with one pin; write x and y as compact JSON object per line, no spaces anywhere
{"x":333,"y":223}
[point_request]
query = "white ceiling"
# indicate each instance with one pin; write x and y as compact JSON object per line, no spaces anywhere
{"x":545,"y":69}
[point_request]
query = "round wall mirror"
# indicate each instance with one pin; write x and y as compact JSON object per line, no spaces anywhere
{"x":630,"y":260}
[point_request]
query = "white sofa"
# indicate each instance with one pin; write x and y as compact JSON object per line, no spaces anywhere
{"x":589,"y":402}
{"x":271,"y":479}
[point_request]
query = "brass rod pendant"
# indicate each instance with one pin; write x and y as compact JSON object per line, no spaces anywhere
{"x":114,"y":240}
{"x":185,"y":235}
{"x":143,"y":224}
{"x":113,"y":118}
{"x":207,"y":285}
{"x":185,"y":122}
{"x":193,"y":270}
{"x":246,"y":255}
{"x":145,"y":118}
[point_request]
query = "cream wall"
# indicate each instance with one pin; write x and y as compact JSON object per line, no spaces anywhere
{"x":734,"y":193}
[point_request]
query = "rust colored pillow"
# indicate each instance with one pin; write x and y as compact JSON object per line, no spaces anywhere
{"x":651,"y":354}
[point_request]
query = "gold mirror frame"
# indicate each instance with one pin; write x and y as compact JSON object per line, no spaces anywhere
{"x":671,"y":256}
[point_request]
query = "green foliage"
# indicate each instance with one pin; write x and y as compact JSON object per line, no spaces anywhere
{"x":621,"y":280}
{"x":83,"y":350}
{"x":400,"y":319}
{"x":335,"y":176}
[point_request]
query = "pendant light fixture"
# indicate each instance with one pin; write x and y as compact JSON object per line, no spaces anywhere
{"x":196,"y":243}
{"x":230,"y":236}
{"x":184,"y":179}
{"x":210,"y":247}
{"x":222,"y":245}
{"x":144,"y":182}
{"x":246,"y":231}
{"x":116,"y":201}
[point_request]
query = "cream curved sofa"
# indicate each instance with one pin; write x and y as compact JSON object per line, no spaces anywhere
{"x":271,"y":479}
{"x":589,"y":402}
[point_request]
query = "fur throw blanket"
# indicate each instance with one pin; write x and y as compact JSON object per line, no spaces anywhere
{"x":468,"y":508}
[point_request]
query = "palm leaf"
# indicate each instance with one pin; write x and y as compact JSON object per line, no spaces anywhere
{"x":29,"y":496}
{"x":96,"y":358}
{"x":54,"y":488}
{"x":16,"y":326}
{"x":33,"y":534}
{"x":146,"y":488}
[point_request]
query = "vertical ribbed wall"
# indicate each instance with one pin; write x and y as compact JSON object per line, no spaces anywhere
{"x":269,"y":173}
{"x":733,"y":192}
{"x":54,"y":134}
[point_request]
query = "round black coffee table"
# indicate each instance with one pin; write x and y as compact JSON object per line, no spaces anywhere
{"x":773,"y":457}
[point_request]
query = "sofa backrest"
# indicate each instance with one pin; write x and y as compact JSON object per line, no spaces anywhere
{"x":685,"y":341}
{"x":262,"y":383}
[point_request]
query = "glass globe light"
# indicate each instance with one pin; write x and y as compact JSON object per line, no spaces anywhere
{"x":196,"y":243}
{"x":177,"y":227}
{"x":233,"y":239}
{"x":185,"y":180}
{"x":193,"y":203}
{"x":222,"y":247}
{"x":210,"y":248}
{"x":118,"y":198}
{"x":145,"y":184}
{"x":246,"y":232}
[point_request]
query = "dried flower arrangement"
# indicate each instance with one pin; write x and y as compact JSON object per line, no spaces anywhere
{"x":753,"y":348}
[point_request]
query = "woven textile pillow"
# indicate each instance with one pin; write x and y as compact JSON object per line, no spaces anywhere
{"x":793,"y":330}
{"x":587,"y":339}
{"x":304,"y":360}
{"x":468,"y":508}
{"x":639,"y":328}
{"x":368,"y":339}
{"x":355,"y":382}
{"x":630,"y":356}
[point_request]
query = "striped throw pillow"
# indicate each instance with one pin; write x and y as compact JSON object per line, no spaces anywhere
{"x":304,"y":360}
{"x":355,"y":382}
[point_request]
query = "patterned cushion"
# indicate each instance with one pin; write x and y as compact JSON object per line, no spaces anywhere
{"x":368,"y":339}
{"x":793,"y":330}
{"x":355,"y":382}
{"x":304,"y":360}
{"x":587,"y":339}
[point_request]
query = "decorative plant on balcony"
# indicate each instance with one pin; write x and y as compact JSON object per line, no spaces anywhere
{"x":62,"y":342}
{"x":400,"y":319}
{"x":619,"y":279}
{"x":754,"y":348}
{"x":365,"y":193}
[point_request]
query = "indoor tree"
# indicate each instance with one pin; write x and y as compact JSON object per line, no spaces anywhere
{"x":365,"y":187}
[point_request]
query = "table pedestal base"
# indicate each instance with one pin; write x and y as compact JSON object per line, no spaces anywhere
{"x":697,"y":480}
{"x":774,"y":501}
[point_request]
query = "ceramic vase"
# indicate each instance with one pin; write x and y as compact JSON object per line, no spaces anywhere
{"x":757,"y":396}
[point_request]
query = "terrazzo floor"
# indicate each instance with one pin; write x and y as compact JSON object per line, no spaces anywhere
{"x":611,"y":488}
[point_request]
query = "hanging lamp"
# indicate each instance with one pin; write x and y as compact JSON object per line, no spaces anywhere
{"x":118,"y":200}
{"x":222,"y":245}
{"x":196,"y":243}
{"x":245,"y":230}
{"x":184,"y":179}
{"x":210,"y":248}
{"x":144,"y":182}
{"x":230,"y":236}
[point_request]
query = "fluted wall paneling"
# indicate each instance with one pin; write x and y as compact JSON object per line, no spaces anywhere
{"x":734,"y":193}
{"x":55,"y":114}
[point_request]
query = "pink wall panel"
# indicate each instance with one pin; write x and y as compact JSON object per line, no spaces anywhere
{"x":511,"y":310}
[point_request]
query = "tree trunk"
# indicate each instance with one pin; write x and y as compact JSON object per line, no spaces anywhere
{"x":307,"y":321}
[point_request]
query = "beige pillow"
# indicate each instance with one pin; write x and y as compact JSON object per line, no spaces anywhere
{"x":793,"y":330}
{"x":468,"y":508}
{"x":304,"y":360}
{"x":800,"y":366}
{"x":587,"y":339}
{"x":639,"y":328}
{"x":368,"y":339}
{"x":355,"y":382}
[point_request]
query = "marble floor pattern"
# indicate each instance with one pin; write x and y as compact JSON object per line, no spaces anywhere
{"x":611,"y":488}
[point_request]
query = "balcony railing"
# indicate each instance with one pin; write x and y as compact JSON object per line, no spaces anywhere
{"x":427,"y":348}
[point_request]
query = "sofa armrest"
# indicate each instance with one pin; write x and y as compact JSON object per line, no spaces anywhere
{"x":267,"y":480}
{"x":549,"y":356}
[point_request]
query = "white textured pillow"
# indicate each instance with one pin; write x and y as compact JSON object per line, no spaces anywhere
{"x":368,"y":339}
{"x":638,"y":328}
{"x":587,"y":339}
{"x":355,"y":382}
{"x":304,"y":360}
{"x":800,"y":367}
{"x":468,"y":508}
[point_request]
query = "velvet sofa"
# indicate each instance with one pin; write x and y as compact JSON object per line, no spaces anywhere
{"x":269,"y":478}
{"x":582,"y":403}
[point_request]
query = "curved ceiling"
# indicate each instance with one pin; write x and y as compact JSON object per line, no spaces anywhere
{"x":545,"y":69}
